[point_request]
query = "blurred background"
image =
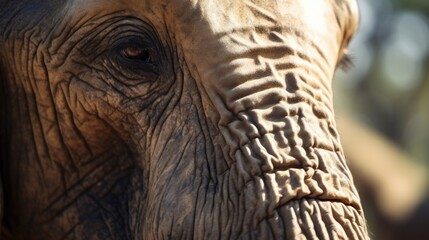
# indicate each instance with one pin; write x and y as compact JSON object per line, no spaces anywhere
{"x":382,"y":104}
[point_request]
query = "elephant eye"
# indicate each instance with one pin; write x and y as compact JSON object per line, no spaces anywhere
{"x":136,"y":53}
{"x":135,"y":59}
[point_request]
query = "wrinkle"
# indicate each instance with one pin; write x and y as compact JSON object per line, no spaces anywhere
{"x":75,"y":191}
{"x":327,"y":225}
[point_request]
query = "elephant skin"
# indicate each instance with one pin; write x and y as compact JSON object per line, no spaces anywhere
{"x":184,"y":119}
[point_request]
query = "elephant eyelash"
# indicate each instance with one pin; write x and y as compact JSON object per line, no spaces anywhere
{"x":346,"y":62}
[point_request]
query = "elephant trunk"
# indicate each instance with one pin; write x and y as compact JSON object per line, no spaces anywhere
{"x":285,"y":162}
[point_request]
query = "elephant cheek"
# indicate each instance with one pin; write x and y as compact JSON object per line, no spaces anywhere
{"x":178,"y":174}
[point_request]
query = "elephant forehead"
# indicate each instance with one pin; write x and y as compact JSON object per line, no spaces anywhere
{"x":228,"y":15}
{"x":189,"y":15}
{"x":225,"y":28}
{"x":197,"y":16}
{"x":78,"y":9}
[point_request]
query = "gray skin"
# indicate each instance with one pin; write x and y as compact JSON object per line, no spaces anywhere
{"x":156,"y":119}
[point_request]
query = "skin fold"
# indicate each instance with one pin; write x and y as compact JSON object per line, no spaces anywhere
{"x":139,"y":119}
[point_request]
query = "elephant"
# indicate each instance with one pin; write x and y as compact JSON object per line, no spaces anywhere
{"x":184,"y":119}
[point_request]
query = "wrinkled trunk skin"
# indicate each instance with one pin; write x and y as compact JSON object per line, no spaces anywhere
{"x":236,"y":140}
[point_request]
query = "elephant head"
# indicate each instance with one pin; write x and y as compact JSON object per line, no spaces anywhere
{"x":184,"y":119}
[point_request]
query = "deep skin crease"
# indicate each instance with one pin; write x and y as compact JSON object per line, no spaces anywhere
{"x":139,"y":119}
